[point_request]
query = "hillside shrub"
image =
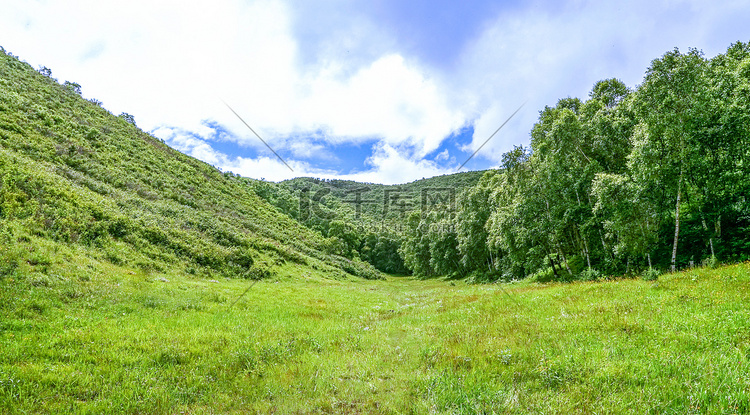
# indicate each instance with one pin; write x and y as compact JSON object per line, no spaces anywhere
{"x":259,"y":271}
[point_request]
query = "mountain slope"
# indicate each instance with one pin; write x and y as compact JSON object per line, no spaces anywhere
{"x":73,"y":175}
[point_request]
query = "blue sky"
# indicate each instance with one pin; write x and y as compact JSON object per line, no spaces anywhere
{"x":382,"y":91}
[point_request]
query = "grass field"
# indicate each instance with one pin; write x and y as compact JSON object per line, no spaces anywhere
{"x":102,"y":339}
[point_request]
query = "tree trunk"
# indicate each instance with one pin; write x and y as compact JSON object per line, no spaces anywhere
{"x":627,"y":266}
{"x":710,"y":238}
{"x":676,"y":225}
{"x":604,"y":245}
{"x":588,"y":257}
{"x":718,"y":227}
{"x":567,"y":267}
{"x":554,"y":271}
{"x":584,"y":247}
{"x":565,"y":260}
{"x":649,"y":260}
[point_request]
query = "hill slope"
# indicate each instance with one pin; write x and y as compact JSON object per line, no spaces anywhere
{"x":73,"y":177}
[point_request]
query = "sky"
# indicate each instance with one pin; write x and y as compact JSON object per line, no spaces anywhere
{"x":381,"y":91}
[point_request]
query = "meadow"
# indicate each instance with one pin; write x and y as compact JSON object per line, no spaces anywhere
{"x":98,"y":338}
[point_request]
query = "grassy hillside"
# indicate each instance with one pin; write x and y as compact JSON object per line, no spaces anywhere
{"x":76,"y":180}
{"x":125,"y":343}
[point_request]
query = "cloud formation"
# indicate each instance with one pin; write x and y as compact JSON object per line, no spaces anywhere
{"x":315,"y":78}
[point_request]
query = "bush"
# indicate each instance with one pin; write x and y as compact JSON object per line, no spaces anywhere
{"x":590,"y":274}
{"x":481,"y":277}
{"x":259,"y":271}
{"x":651,"y":274}
{"x":576,"y":263}
{"x":711,"y":262}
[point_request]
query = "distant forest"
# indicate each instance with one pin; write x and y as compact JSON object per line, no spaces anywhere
{"x":626,"y":182}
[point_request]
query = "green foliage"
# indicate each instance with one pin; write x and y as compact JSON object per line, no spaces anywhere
{"x":70,"y":86}
{"x":609,"y":92}
{"x":650,"y":274}
{"x":380,"y":248}
{"x":259,"y":271}
{"x":590,"y":274}
{"x":710,"y":263}
{"x":369,"y":220}
{"x":347,"y":235}
{"x":72,"y":174}
{"x":128,"y":118}
{"x":627,"y":176}
{"x":613,"y":185}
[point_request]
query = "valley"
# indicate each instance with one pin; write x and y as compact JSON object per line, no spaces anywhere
{"x":602,"y":269}
{"x":128,"y":342}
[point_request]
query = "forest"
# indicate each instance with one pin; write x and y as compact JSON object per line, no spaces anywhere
{"x":630,"y":181}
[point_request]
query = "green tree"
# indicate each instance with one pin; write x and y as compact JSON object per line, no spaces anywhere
{"x":509,"y":226}
{"x":72,"y":86}
{"x":415,"y":248}
{"x":667,"y":102}
{"x":347,"y":233}
{"x":474,"y":209}
{"x":128,"y":118}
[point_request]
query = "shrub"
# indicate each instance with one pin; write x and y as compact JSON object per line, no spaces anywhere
{"x":651,"y":274}
{"x":72,"y":87}
{"x":576,"y":263}
{"x":259,"y":271}
{"x":590,"y":274}
{"x":119,"y":227}
{"x":481,"y":277}
{"x":711,"y":262}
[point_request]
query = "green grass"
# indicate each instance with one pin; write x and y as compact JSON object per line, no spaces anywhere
{"x":98,"y":338}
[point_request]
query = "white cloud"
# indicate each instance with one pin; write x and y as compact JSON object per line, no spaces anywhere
{"x":389,"y":165}
{"x":306,"y":77}
{"x":170,"y":63}
{"x":442,"y":156}
{"x":389,"y":99}
{"x":392,"y":165}
{"x":546,"y":52}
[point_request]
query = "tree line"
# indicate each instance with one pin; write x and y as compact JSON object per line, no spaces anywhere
{"x":629,"y":181}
